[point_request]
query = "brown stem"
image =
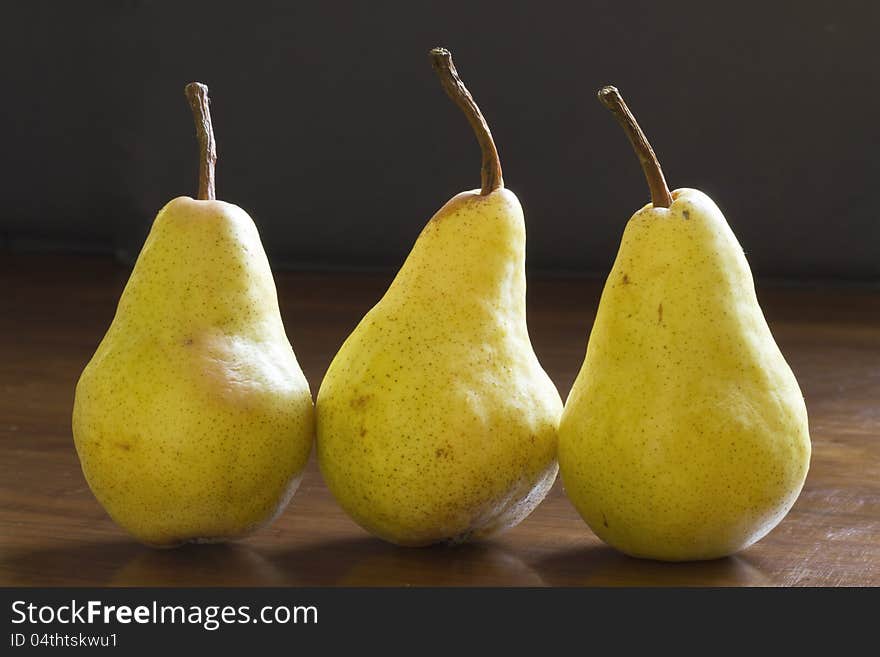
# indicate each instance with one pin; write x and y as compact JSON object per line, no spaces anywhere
{"x":197,"y":94}
{"x":660,"y":196}
{"x":441,"y":60}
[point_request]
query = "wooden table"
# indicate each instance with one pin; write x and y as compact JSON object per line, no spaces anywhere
{"x":52,"y":531}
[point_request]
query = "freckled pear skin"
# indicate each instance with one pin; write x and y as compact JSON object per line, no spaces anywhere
{"x":435,"y":420}
{"x":685,"y":435}
{"x":193,"y":420}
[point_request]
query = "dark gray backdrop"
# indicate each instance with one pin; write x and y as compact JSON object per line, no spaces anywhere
{"x":335,"y":135}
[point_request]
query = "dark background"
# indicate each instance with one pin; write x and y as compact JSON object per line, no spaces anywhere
{"x":334,"y":134}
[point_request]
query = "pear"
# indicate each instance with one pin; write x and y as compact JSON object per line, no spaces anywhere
{"x":685,"y":434}
{"x":436,"y":422}
{"x":193,"y":420}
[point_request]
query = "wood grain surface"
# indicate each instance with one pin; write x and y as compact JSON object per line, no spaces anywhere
{"x":52,"y":531}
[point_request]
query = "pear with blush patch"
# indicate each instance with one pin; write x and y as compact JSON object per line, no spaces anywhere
{"x":193,"y":420}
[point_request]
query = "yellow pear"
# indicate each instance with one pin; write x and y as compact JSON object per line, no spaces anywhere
{"x":435,"y":420}
{"x":193,"y":420}
{"x":685,"y":434}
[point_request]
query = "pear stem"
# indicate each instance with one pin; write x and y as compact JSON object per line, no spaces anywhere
{"x":441,"y":60}
{"x":660,"y":196}
{"x":197,"y":94}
